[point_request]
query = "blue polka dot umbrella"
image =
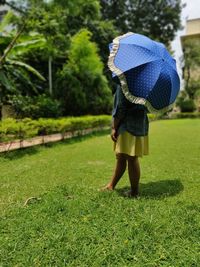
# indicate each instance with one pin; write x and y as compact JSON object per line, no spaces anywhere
{"x":146,"y":71}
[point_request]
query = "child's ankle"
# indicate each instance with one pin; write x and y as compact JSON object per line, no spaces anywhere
{"x":134,"y":191}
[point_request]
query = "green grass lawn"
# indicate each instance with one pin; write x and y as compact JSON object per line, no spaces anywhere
{"x":70,"y":223}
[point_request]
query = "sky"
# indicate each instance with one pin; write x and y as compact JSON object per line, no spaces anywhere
{"x":191,"y":11}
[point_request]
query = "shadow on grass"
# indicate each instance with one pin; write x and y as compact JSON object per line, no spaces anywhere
{"x":158,"y":189}
{"x":20,"y":153}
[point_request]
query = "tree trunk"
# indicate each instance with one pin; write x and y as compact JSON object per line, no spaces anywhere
{"x":50,"y":76}
{"x":187,"y":80}
{"x":7,"y":111}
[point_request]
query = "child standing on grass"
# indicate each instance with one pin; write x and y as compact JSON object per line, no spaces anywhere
{"x":130,"y":127}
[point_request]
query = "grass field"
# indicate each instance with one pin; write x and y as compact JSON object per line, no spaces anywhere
{"x":70,"y":223}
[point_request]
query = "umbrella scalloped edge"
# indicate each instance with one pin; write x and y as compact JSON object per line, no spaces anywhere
{"x":123,"y":82}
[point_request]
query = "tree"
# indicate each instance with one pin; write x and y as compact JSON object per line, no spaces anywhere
{"x":197,"y":98}
{"x":184,"y":103}
{"x":159,"y":20}
{"x":83,"y":87}
{"x":188,"y":100}
{"x":13,"y":71}
{"x":191,"y":62}
{"x":58,"y":20}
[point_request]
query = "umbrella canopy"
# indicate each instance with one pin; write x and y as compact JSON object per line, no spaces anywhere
{"x":146,"y":71}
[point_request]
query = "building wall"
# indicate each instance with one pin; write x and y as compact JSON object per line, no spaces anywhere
{"x":193,"y":26}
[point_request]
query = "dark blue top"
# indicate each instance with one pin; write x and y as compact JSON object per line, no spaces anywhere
{"x":133,"y":116}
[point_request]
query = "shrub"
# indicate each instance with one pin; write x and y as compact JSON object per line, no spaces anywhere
{"x":83,"y":88}
{"x":36,"y":106}
{"x":187,"y":105}
{"x":46,"y":107}
{"x":186,"y":115}
{"x":11,"y":129}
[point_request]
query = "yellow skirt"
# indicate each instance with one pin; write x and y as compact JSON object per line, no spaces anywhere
{"x":132,"y":145}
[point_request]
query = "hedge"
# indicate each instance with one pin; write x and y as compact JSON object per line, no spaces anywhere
{"x":12,"y":129}
{"x":185,"y":115}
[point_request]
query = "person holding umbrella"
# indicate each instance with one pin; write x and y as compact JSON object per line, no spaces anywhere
{"x":147,"y":82}
{"x":130,"y":127}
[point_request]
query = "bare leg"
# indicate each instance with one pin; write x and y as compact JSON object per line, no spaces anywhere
{"x":118,"y":172}
{"x":134,"y":175}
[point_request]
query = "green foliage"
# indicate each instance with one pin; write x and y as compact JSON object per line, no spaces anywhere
{"x":159,"y":20}
{"x":103,"y":32}
{"x":186,"y":115}
{"x":28,"y":44}
{"x":191,"y":53}
{"x":78,"y":80}
{"x":27,"y":67}
{"x":187,"y":105}
{"x":191,"y":66}
{"x":151,"y":116}
{"x":83,"y":87}
{"x":35,"y":106}
{"x":15,"y":74}
{"x":69,"y":223}
{"x":197,"y":99}
{"x":83,"y":53}
{"x":57,"y":20}
{"x":4,"y":42}
{"x":6,"y":21}
{"x":193,"y":87}
{"x":181,"y":97}
{"x":11,"y":129}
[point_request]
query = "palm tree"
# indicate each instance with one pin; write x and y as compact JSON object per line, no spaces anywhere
{"x":13,"y":71}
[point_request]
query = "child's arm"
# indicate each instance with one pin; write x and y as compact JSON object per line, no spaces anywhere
{"x":118,"y":113}
{"x":115,"y":126}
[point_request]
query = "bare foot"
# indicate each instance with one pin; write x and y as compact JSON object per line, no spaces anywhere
{"x":108,"y":187}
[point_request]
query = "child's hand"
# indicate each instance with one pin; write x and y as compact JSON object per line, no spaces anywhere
{"x":114,"y":135}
